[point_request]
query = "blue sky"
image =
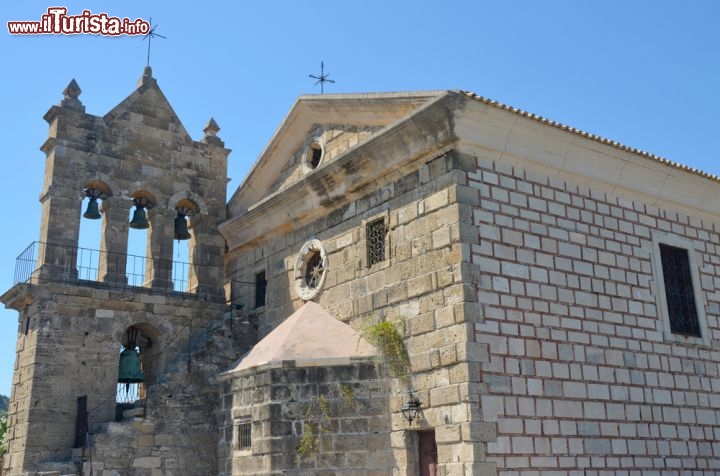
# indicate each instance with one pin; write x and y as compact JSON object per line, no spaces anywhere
{"x":643,"y":73}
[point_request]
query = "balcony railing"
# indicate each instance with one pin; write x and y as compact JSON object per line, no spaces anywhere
{"x":48,"y":262}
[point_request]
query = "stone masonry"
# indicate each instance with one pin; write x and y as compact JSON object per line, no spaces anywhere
{"x":580,"y":374}
{"x":278,"y":400}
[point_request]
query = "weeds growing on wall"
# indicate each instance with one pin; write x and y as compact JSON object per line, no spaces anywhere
{"x":348,"y":395}
{"x":315,"y":424}
{"x":317,"y":421}
{"x":387,"y":337}
{"x":3,"y":443}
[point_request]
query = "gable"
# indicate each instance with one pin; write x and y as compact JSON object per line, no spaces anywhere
{"x":342,"y":122}
{"x":148,"y":106}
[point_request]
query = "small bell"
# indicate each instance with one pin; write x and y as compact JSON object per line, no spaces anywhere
{"x":139,"y":219}
{"x":129,"y":370}
{"x":181,"y":230}
{"x":92,"y":212}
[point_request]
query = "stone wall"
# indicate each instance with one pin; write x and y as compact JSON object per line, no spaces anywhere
{"x":282,"y":403}
{"x":72,"y":349}
{"x":178,"y":432}
{"x":421,"y":282}
{"x":583,"y":375}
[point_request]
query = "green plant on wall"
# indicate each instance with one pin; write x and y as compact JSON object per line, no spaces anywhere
{"x":387,"y":337}
{"x":315,"y":423}
{"x":3,"y":443}
{"x":348,"y":395}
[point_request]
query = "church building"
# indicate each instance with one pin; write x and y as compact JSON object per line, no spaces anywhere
{"x":421,"y":283}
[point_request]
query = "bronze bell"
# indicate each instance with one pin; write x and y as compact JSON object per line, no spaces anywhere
{"x":139,"y":219}
{"x":181,"y":230}
{"x":92,"y":212}
{"x":129,"y":370}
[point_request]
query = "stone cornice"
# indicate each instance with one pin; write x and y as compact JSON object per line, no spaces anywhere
{"x":590,"y":136}
{"x":498,"y":134}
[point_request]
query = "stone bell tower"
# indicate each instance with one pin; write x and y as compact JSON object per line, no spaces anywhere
{"x":76,"y":306}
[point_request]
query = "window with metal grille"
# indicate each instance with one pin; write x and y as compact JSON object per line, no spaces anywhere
{"x":260,"y":289}
{"x":682,"y":311}
{"x":244,"y":435}
{"x":376,"y":233}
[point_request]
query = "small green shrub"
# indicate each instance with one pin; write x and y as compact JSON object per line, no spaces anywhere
{"x":387,"y":337}
{"x":348,"y":395}
{"x":3,"y":431}
{"x":314,"y":424}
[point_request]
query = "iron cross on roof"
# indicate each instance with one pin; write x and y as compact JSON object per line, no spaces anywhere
{"x":150,"y":35}
{"x":322,"y":79}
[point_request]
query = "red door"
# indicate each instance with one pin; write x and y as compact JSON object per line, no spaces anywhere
{"x":428,"y":453}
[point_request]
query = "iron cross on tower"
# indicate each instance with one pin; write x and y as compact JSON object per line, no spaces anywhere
{"x":150,"y":35}
{"x":322,"y":79}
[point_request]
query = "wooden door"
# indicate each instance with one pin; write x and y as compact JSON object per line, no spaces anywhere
{"x":427,"y":449}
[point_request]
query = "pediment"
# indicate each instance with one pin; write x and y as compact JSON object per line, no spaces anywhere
{"x":335,"y":123}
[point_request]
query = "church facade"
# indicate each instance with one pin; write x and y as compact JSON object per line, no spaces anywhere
{"x":552,"y":294}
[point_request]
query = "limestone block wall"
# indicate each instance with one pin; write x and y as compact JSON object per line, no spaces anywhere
{"x":280,"y":403}
{"x":583,"y":376}
{"x":421,"y":280}
{"x":71,"y":348}
{"x":178,"y":434}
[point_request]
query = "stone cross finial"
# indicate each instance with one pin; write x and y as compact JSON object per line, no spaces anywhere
{"x":72,"y":90}
{"x":211,"y":128}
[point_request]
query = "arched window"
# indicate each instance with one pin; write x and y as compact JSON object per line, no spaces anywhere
{"x":131,"y":378}
{"x":90,"y":232}
{"x":183,"y":240}
{"x":139,"y":360}
{"x":138,"y":245}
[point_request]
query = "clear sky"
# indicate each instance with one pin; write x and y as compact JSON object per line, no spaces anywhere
{"x":645,"y":73}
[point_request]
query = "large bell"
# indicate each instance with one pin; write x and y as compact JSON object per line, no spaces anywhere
{"x":130,"y":371}
{"x":181,"y":230}
{"x":92,"y":211}
{"x":139,"y":219}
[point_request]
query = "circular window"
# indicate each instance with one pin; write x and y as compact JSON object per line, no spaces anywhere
{"x":314,"y":153}
{"x":310,"y":270}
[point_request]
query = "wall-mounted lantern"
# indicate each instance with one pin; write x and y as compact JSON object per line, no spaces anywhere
{"x":411,"y":409}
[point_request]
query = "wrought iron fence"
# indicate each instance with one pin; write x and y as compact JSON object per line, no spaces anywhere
{"x":49,"y":262}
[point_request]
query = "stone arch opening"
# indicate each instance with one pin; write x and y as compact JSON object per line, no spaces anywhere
{"x":183,"y":243}
{"x":139,"y":362}
{"x":138,"y":265}
{"x":92,"y":223}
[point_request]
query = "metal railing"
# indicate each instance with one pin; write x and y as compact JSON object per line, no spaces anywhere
{"x":49,"y":262}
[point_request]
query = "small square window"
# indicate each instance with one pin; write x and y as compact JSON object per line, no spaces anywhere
{"x":679,"y":293}
{"x":260,"y":289}
{"x":376,"y":233}
{"x":244,"y":435}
